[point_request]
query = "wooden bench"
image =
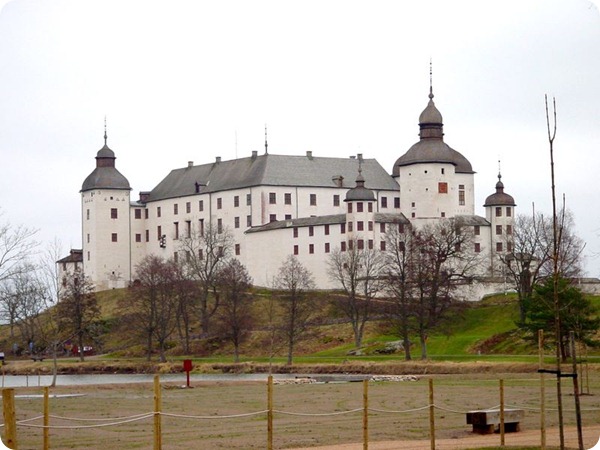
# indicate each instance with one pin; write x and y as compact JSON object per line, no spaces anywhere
{"x":485,"y":421}
{"x":37,"y":357}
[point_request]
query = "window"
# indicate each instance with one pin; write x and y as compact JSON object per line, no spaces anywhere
{"x":384,"y":202}
{"x":287,"y":198}
{"x":498,"y":211}
{"x":200,"y":254}
{"x":361,"y":244}
{"x":509,"y":246}
{"x":360,"y":225}
{"x":147,"y":235}
{"x":359,"y":207}
{"x":175,"y":209}
{"x":159,"y":232}
{"x":200,"y":205}
{"x":236,"y":222}
{"x":400,"y":228}
{"x":248,"y":199}
{"x":88,"y":238}
{"x":176,"y":230}
{"x":272,"y":217}
{"x":311,"y":231}
{"x":188,"y":207}
{"x":382,"y":227}
{"x":370,"y":204}
{"x":498,"y":246}
{"x":509,"y":229}
{"x":413,"y":205}
{"x":349,"y":226}
{"x":138,"y":213}
{"x":236,"y":201}
{"x":295,"y":229}
{"x":219,"y":226}
{"x":477,"y":247}
{"x":382,"y":246}
{"x":219,"y":203}
{"x":343,"y":246}
{"x":476,"y":230}
{"x":272,"y":198}
{"x":87,"y":214}
{"x":158,"y":211}
{"x":508,"y":211}
{"x":288,"y":217}
{"x":336,"y":200}
{"x":295,"y":249}
{"x":311,"y":248}
{"x":443,"y":171}
{"x":442,"y":188}
{"x":138,"y":237}
{"x":313,"y":199}
{"x":461,"y":196}
{"x":498,"y":229}
{"x":443,"y":214}
{"x":201,"y":227}
{"x":397,"y":202}
{"x":327,"y":249}
{"x":248,"y":221}
{"x":175,"y":256}
{"x":114,"y":213}
{"x":114,"y":237}
{"x":413,"y":215}
{"x":237,"y":249}
{"x":326,"y":230}
{"x":188,"y":229}
{"x":146,"y":213}
{"x":342,"y":228}
{"x":350,"y":207}
{"x":370,"y":225}
{"x":370,"y":244}
{"x":350,"y":245}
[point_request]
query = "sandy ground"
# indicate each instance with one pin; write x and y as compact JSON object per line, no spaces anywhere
{"x":591,"y":437}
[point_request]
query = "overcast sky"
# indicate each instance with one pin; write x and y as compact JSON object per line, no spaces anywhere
{"x":187,"y":81}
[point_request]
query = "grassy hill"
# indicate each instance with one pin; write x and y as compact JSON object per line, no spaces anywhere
{"x":484,"y":330}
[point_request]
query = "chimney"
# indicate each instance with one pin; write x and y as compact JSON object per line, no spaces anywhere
{"x":359,"y":156}
{"x":254,"y":154}
{"x":338,"y":180}
{"x":144,"y":196}
{"x":190,"y":164}
{"x":309,"y":154}
{"x":352,"y":157}
{"x":218,"y":160}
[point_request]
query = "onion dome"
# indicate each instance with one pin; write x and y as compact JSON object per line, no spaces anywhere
{"x":431,"y":147}
{"x":500,"y":198}
{"x":105,"y":175}
{"x":360,"y":192}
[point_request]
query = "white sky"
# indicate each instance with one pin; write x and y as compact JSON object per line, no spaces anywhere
{"x":179,"y":80}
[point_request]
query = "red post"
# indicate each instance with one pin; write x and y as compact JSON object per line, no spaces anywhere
{"x":187,"y":366}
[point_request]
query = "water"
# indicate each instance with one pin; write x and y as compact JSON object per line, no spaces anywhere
{"x":85,"y":380}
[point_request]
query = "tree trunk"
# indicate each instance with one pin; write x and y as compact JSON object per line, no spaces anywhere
{"x":406,"y":342}
{"x":423,"y":340}
{"x":290,"y":352}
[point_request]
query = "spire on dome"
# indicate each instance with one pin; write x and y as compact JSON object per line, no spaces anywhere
{"x":105,"y":136}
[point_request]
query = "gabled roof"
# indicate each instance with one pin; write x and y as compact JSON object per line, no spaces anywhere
{"x":271,"y":170}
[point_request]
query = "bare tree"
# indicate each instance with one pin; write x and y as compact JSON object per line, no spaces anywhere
{"x":530,"y":260}
{"x":235,"y":315}
{"x":16,"y":246}
{"x":153,"y":302}
{"x":399,"y":275}
{"x":78,"y":310}
{"x":442,"y":259}
{"x":295,"y":281}
{"x":186,"y":293}
{"x":358,"y":272}
{"x":206,"y":250}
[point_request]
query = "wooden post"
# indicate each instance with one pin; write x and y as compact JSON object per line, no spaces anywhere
{"x":10,"y":420}
{"x":542,"y":392}
{"x":270,"y":413}
{"x":157,"y":409}
{"x":46,"y":419}
{"x":365,"y":414}
{"x":501,"y":413}
{"x":431,"y":415}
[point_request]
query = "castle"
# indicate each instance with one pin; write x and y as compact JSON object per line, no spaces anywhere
{"x":277,"y":205}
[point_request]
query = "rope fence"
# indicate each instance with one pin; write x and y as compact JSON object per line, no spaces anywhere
{"x":10,"y":424}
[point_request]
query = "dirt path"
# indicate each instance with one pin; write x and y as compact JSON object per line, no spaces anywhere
{"x":591,"y":437}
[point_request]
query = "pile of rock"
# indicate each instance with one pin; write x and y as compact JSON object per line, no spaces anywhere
{"x":394,"y":378}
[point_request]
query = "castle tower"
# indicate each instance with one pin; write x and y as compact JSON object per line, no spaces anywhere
{"x":435,"y":180}
{"x":360,"y":213}
{"x":500,"y":213}
{"x":105,"y":215}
